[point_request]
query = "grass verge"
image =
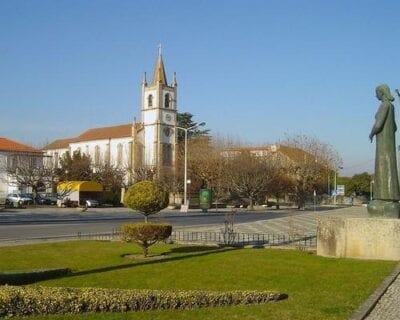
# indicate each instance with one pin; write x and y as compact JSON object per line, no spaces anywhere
{"x":318,"y":288}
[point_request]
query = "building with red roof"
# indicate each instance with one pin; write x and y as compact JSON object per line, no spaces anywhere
{"x":12,"y":152}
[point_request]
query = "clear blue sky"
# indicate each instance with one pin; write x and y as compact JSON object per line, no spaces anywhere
{"x":253,"y":70}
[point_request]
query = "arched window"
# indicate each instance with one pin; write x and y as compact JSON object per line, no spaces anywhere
{"x":150,"y":100}
{"x":96,"y":155}
{"x":167,"y":100}
{"x":119,"y":154}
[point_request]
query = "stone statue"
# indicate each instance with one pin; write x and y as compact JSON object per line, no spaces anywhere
{"x":386,"y":183}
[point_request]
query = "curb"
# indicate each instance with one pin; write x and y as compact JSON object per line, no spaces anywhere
{"x":365,"y":309}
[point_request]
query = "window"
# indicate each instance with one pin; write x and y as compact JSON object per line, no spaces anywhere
{"x":119,"y":155}
{"x":167,"y":100}
{"x":150,"y":100}
{"x":167,"y":154}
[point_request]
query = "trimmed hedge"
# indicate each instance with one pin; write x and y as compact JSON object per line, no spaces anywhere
{"x":147,"y":197}
{"x":31,"y":276}
{"x":146,"y":234}
{"x":24,"y":301}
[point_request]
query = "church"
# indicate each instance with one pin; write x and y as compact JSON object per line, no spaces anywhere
{"x":150,"y":144}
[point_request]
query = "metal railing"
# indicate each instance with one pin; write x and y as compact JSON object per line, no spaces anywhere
{"x":221,"y":238}
{"x":245,"y":239}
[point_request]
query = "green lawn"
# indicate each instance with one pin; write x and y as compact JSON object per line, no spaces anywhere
{"x":318,"y":288}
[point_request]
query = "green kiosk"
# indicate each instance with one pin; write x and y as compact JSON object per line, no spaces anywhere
{"x":205,"y":197}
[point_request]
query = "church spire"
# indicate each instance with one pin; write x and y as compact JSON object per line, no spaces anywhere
{"x":159,"y":70}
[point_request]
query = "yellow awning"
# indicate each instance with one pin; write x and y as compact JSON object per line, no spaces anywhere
{"x":90,"y":186}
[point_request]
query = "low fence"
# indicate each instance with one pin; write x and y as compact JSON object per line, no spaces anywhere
{"x":244,"y":239}
{"x":221,"y":238}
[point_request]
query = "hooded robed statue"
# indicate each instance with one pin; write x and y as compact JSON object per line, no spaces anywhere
{"x":386,"y":193}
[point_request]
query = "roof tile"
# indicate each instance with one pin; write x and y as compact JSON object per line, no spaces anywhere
{"x":120,"y":131}
{"x":14,"y":146}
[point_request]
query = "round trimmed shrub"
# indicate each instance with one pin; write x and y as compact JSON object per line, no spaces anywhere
{"x":146,"y":234}
{"x":146,"y":197}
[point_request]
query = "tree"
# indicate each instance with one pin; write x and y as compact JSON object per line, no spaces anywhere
{"x":249,"y":176}
{"x":207,"y":166}
{"x":146,"y":234}
{"x":281,"y":185}
{"x":309,"y":162}
{"x":358,"y":184}
{"x":146,"y":197}
{"x":76,"y":167}
{"x":28,"y":170}
{"x":112,"y":178}
{"x":205,"y":161}
{"x":184,"y":120}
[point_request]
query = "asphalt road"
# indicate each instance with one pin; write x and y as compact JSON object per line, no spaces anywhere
{"x":23,"y":224}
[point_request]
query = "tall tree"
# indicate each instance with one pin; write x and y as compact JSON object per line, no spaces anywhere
{"x":249,"y":176}
{"x":76,"y":167}
{"x":310,"y":161}
{"x":112,"y":178}
{"x":358,"y":184}
{"x":207,"y":165}
{"x":184,"y":120}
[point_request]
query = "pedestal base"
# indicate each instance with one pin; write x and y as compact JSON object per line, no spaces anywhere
{"x":384,"y":209}
{"x":361,"y":238}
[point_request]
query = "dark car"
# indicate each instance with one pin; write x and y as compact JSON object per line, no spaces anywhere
{"x":46,"y":199}
{"x":28,"y":198}
{"x":40,"y":199}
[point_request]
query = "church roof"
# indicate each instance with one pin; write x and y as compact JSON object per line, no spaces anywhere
{"x":60,"y":144}
{"x":14,"y":146}
{"x":120,"y":131}
{"x":159,"y":72}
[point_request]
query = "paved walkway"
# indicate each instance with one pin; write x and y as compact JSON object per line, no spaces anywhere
{"x":388,"y":307}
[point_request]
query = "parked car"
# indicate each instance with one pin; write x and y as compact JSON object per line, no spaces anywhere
{"x":47,"y":198}
{"x":18,"y":198}
{"x":41,"y":199}
{"x":52,"y":197}
{"x":28,"y":198}
{"x":92,"y":203}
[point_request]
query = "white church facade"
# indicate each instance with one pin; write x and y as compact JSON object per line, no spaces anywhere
{"x":150,"y":143}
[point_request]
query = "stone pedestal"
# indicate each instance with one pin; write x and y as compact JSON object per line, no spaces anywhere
{"x":358,"y":237}
{"x":384,"y":209}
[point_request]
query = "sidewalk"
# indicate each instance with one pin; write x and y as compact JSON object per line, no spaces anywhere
{"x":383,"y":304}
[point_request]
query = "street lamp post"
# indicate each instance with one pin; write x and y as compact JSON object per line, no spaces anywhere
{"x":185,"y":182}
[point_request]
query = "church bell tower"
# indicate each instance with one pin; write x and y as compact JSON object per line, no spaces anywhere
{"x":159,"y":119}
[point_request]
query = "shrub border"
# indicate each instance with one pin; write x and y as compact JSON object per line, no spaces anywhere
{"x":37,"y":300}
{"x":31,"y":276}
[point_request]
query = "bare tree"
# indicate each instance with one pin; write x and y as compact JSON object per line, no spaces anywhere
{"x":309,"y":162}
{"x":28,"y":170}
{"x":208,"y":166}
{"x":249,"y":176}
{"x":144,"y":173}
{"x":281,"y":185}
